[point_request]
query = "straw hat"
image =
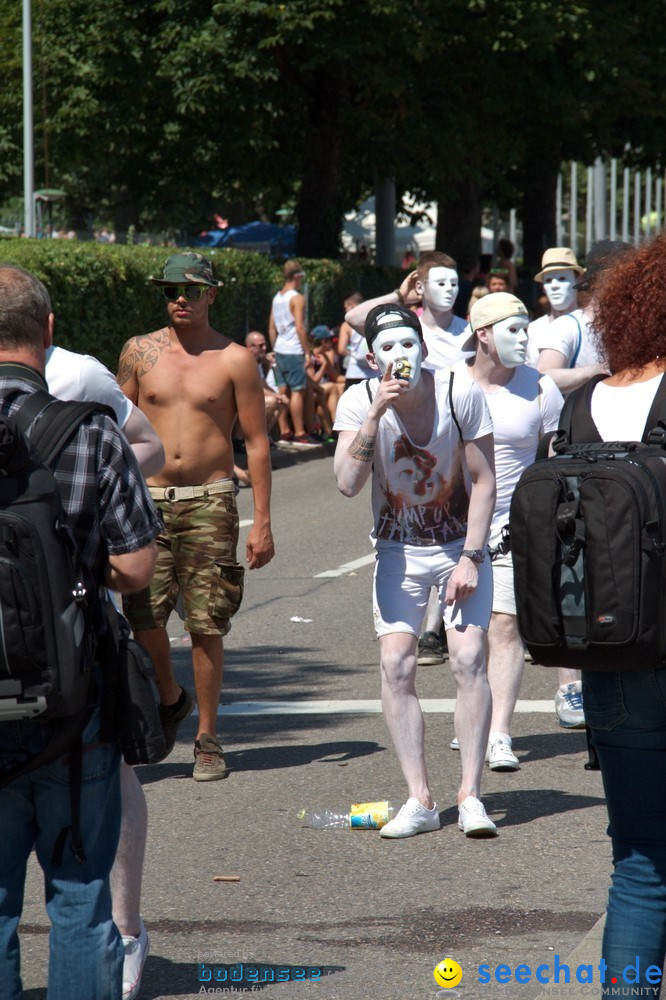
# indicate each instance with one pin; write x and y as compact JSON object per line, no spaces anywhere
{"x":557,"y":259}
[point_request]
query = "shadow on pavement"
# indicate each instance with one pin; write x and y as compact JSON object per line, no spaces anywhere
{"x":517,"y":808}
{"x":267,"y":758}
{"x":541,"y":747}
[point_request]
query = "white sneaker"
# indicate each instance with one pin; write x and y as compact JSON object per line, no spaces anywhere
{"x":473,"y":819}
{"x":569,"y":706}
{"x":136,"y":953}
{"x":412,"y":818}
{"x":454,"y":744}
{"x":500,"y":756}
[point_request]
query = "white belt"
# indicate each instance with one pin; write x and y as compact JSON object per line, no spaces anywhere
{"x":191,"y":492}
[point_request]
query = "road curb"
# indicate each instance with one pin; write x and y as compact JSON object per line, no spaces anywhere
{"x":587,"y":952}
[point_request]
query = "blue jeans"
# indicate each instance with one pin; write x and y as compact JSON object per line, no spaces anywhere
{"x":85,"y":948}
{"x":626,"y":713}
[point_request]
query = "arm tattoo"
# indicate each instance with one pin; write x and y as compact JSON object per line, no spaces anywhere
{"x":362,"y":447}
{"x":141,"y":354}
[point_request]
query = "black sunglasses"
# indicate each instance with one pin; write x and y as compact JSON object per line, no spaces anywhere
{"x":189,"y":292}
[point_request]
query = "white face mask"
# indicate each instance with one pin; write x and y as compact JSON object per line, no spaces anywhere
{"x":401,"y":347}
{"x":440,"y":289}
{"x":559,"y":287}
{"x":510,"y":336}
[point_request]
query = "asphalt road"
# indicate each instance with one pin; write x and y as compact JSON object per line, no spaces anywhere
{"x":354,"y":915}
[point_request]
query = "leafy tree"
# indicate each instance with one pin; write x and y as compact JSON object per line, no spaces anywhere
{"x":156,"y":112}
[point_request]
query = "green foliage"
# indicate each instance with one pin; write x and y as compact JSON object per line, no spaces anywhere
{"x":157,"y":112}
{"x":102,"y":294}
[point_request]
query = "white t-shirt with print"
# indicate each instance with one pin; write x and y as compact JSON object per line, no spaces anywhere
{"x":82,"y":377}
{"x":565,"y":333}
{"x":522,"y":410}
{"x":444,"y":346}
{"x":420,"y":493}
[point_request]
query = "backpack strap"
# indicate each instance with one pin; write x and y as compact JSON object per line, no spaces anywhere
{"x":579,"y":343}
{"x":453,"y":412}
{"x":576,"y":416}
{"x":655,"y":425}
{"x":74,"y":829}
{"x":49,"y":436}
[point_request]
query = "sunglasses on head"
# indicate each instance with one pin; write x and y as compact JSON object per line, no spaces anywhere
{"x":189,"y":292}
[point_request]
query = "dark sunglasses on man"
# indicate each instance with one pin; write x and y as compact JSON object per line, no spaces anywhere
{"x":189,"y":292}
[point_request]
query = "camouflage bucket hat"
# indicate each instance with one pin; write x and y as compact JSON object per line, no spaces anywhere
{"x":187,"y":269}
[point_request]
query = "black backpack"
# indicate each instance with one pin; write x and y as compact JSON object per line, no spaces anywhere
{"x":588,"y":537}
{"x":48,"y":621}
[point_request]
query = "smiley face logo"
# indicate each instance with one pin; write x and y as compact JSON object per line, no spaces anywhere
{"x":448,"y":973}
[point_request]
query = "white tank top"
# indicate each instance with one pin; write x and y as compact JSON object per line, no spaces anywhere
{"x":287,"y":340}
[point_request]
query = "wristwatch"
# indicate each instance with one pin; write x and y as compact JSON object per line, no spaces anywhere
{"x":476,"y":555}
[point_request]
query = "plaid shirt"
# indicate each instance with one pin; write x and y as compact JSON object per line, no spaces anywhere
{"x":102,"y":490}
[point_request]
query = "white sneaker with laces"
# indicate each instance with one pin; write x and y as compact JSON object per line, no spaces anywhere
{"x":569,"y":706}
{"x":473,"y":819}
{"x":136,"y":953}
{"x":411,"y":819}
{"x":500,"y":756}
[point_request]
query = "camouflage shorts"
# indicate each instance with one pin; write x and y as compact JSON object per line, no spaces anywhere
{"x":196,"y":558}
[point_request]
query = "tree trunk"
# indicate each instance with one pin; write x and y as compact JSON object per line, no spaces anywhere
{"x":125,"y":212}
{"x":459,"y":223}
{"x":320,"y":210}
{"x":539,"y":202}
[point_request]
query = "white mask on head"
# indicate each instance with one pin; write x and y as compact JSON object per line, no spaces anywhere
{"x":440,"y":288}
{"x":510,"y":337}
{"x":559,"y":287}
{"x":399,"y":346}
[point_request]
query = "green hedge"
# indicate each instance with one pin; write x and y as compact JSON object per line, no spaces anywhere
{"x":101,"y":294}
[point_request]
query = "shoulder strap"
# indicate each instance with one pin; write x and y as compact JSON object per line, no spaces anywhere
{"x":367,"y":389}
{"x":578,"y":343}
{"x":453,"y":412}
{"x":576,"y":418}
{"x":655,"y":425}
{"x":50,"y":436}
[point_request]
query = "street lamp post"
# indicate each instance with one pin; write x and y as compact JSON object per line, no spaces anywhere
{"x":28,"y":155}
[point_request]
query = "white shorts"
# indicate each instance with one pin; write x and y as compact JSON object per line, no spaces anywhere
{"x":404,"y":576}
{"x":504,"y":596}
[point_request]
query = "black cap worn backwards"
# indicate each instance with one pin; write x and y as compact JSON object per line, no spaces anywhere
{"x":396,"y":316}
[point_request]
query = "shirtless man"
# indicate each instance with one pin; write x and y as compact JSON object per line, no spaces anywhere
{"x":192,"y":383}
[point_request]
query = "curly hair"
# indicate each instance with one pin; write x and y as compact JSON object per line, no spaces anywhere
{"x":630,"y":311}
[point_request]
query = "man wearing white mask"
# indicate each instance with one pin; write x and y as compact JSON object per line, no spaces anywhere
{"x":523,"y":406}
{"x":434,"y":285}
{"x":426,"y":440}
{"x":568,"y":352}
{"x":561,"y":343}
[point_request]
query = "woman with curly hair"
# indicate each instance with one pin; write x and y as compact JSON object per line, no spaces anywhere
{"x":626,"y":710}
